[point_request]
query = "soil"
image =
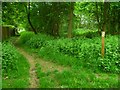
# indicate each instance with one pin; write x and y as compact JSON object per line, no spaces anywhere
{"x":46,"y":66}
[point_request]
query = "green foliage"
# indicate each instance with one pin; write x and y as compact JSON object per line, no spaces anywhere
{"x":50,"y":17}
{"x":13,"y":65}
{"x":45,"y":81}
{"x":51,"y":53}
{"x":9,"y":57}
{"x":13,"y":14}
{"x":83,"y":78}
{"x":85,"y":33}
{"x":9,"y":26}
{"x":78,"y":51}
{"x":89,"y":52}
{"x":76,"y":78}
{"x":111,"y":61}
{"x":38,"y":41}
{"x":25,"y":36}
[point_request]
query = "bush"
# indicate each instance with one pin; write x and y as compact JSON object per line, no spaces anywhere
{"x":12,"y":61}
{"x":25,"y":36}
{"x":15,"y":68}
{"x":89,"y":52}
{"x":9,"y":57}
{"x":111,"y":61}
{"x":86,"y":51}
{"x":38,"y":41}
{"x":85,"y":33}
{"x":53,"y":54}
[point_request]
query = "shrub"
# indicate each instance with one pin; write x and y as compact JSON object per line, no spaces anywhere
{"x":12,"y":61}
{"x":86,"y":51}
{"x":89,"y":52}
{"x":85,"y":33}
{"x":25,"y":36}
{"x":9,"y":57}
{"x":38,"y":41}
{"x":111,"y":61}
{"x":53,"y":54}
{"x":15,"y":68}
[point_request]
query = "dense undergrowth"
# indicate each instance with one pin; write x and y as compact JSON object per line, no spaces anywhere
{"x":85,"y":33}
{"x":76,"y":51}
{"x":83,"y":55}
{"x":15,"y":68}
{"x":75,"y":78}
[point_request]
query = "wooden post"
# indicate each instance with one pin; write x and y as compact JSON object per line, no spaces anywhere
{"x":104,"y":27}
{"x":103,"y":44}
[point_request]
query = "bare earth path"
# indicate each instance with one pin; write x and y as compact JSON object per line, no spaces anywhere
{"x":33,"y":76}
{"x":45,"y":67}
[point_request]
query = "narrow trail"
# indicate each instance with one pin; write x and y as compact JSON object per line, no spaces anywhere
{"x":33,"y":76}
{"x":50,"y":66}
{"x":46,"y":66}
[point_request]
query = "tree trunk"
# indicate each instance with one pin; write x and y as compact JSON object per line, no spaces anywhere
{"x":56,"y":19}
{"x":70,"y":20}
{"x":29,"y":19}
{"x":101,"y":16}
{"x":105,"y":15}
{"x":104,"y":28}
{"x":97,"y":17}
{"x":108,"y":19}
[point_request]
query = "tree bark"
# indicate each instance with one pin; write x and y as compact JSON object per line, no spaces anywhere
{"x":55,"y":19}
{"x":97,"y":17}
{"x":70,"y":20}
{"x":104,"y":28}
{"x":104,"y":15}
{"x":29,"y":19}
{"x":108,"y":18}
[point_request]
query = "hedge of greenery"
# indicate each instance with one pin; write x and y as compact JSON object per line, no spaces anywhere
{"x":85,"y":33}
{"x":79,"y":51}
{"x":25,"y":36}
{"x":12,"y":60}
{"x":9,"y":57}
{"x":15,"y":68}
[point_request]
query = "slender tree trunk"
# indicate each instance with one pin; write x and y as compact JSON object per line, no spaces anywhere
{"x":56,"y":20}
{"x":104,"y":28}
{"x":97,"y":17}
{"x":108,"y":15}
{"x":101,"y":18}
{"x":105,"y":15}
{"x":70,"y":20}
{"x":29,"y":19}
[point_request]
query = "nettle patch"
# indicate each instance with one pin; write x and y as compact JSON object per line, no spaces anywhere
{"x":38,"y":41}
{"x":85,"y":50}
{"x":25,"y":36}
{"x":9,"y":58}
{"x":111,"y":62}
{"x":89,"y":52}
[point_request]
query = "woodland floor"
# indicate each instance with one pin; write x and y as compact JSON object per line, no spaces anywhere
{"x":45,"y":67}
{"x":83,"y":76}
